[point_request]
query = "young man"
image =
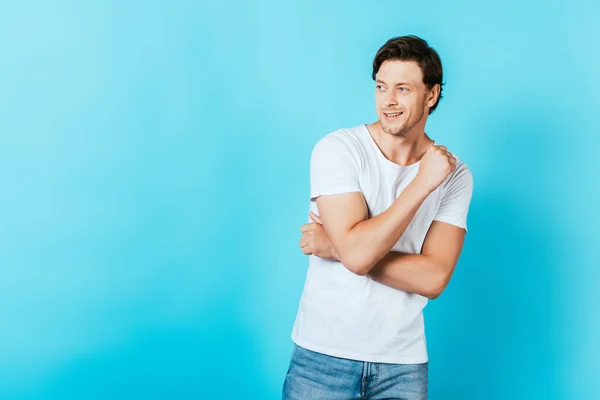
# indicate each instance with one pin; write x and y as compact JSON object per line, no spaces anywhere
{"x":389,"y":210}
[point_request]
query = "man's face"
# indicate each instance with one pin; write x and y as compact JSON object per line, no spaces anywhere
{"x":401,"y":96}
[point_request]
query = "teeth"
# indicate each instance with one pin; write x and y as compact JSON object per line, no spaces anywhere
{"x":393,"y":115}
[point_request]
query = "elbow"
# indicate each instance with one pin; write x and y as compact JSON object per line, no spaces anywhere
{"x":436,"y":286}
{"x":360,"y":270}
{"x":357,"y":266}
{"x":433,"y":294}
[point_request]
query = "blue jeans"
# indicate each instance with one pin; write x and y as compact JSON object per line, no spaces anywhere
{"x":318,"y":376}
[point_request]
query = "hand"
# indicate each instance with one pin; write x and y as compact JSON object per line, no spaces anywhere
{"x":314,"y":239}
{"x":436,"y":165}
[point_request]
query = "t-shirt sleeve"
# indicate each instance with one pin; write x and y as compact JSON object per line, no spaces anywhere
{"x":456,"y":199}
{"x":334,"y":168}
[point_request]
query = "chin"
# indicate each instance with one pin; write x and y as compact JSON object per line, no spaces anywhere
{"x":401,"y":133}
{"x":394,"y":130}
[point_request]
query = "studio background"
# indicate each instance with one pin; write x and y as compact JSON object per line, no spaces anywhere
{"x":154,"y":174}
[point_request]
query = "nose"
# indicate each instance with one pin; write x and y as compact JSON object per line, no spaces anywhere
{"x":391,"y":98}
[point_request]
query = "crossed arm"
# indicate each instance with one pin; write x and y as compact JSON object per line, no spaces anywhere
{"x":427,"y":273}
{"x":343,"y":231}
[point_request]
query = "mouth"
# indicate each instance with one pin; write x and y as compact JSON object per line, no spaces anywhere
{"x":392,"y":116}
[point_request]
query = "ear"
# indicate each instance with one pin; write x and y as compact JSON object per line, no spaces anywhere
{"x":433,"y":95}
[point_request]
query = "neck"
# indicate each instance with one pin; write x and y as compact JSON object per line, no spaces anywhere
{"x":401,"y":150}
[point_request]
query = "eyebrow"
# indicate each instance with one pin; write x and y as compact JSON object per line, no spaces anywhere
{"x":397,"y":84}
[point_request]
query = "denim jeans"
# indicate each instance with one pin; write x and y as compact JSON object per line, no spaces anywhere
{"x":318,"y":376}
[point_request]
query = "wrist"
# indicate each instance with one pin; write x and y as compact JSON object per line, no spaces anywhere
{"x":421,"y":187}
{"x":334,"y":254}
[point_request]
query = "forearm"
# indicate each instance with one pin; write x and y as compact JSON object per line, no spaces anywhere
{"x":369,"y":241}
{"x":414,"y":273}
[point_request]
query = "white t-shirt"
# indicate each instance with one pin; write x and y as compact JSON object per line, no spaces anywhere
{"x":351,"y":316}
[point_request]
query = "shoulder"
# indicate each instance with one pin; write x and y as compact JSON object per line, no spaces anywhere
{"x":341,"y":141}
{"x":343,"y":137}
{"x":462,"y":169}
{"x":461,"y":176}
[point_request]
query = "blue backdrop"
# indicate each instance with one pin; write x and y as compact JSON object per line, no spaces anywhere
{"x":154,"y":175}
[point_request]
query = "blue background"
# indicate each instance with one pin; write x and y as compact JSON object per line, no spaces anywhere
{"x":154,"y":174}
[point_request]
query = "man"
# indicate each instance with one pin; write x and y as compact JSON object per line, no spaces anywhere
{"x":389,"y":210}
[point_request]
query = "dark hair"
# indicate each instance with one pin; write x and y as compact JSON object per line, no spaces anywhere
{"x":413,"y":48}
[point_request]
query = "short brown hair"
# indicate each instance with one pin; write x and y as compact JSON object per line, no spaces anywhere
{"x":413,"y":48}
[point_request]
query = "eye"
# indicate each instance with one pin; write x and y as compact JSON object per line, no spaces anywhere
{"x":379,"y":87}
{"x":404,"y":89}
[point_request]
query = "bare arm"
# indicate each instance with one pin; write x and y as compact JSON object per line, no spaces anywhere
{"x":427,"y":273}
{"x":360,"y":242}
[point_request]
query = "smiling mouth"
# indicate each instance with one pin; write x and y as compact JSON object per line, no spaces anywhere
{"x":392,"y":115}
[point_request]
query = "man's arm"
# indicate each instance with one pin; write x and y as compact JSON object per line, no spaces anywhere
{"x":360,"y":242}
{"x":427,"y":273}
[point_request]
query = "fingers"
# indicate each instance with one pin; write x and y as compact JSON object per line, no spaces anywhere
{"x":304,"y":240}
{"x":311,"y":226}
{"x":315,"y":217}
{"x":306,"y":227}
{"x":308,"y":232}
{"x":305,"y":245}
{"x":451,"y":159}
{"x":448,"y":154}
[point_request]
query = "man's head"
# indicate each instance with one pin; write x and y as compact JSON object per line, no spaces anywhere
{"x":408,"y":83}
